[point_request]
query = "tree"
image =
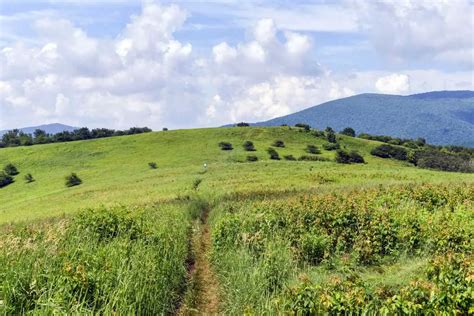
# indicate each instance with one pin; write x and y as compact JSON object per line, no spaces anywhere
{"x":225,"y":146}
{"x":278,"y":143}
{"x":29,"y":178}
{"x":5,"y":179}
{"x":330,"y":135}
{"x":11,"y":170}
{"x":306,"y":127}
{"x":355,"y":157}
{"x":242,"y":124}
{"x":72,"y":180}
{"x":343,"y":157}
{"x":273,"y":154}
{"x":40,"y":137}
{"x":348,"y":131}
{"x":312,"y":149}
{"x":153,"y":165}
{"x":248,"y":146}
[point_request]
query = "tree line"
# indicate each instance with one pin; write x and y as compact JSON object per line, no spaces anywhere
{"x":15,"y":137}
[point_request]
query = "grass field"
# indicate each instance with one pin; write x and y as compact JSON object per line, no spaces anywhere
{"x":158,"y":220}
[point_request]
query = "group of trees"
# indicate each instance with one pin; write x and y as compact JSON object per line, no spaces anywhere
{"x":18,"y":138}
{"x":9,"y":172}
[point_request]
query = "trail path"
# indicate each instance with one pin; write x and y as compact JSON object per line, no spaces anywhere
{"x":202,"y":294}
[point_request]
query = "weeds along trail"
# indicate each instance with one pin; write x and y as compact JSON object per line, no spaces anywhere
{"x":202,"y":294}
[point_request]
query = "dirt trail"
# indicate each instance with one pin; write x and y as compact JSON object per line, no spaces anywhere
{"x":202,"y":295}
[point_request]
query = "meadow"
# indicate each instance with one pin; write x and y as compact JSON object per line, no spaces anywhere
{"x":267,"y":236}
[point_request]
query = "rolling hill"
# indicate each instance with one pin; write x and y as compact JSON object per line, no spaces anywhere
{"x":232,"y":236}
{"x":48,"y":128}
{"x":441,"y":117}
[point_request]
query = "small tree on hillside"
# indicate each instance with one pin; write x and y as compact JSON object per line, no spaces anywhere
{"x":248,"y":146}
{"x":5,"y":179}
{"x":273,"y":154}
{"x":11,"y":170}
{"x":29,"y":178}
{"x":349,"y":131}
{"x":152,"y":165}
{"x":278,"y":143}
{"x":72,"y":180}
{"x":225,"y":146}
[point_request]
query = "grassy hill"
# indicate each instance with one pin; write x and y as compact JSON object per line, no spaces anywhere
{"x":234,"y":237}
{"x":441,"y":117}
{"x":115,"y":170}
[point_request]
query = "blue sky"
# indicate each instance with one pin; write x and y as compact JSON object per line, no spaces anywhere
{"x":186,"y":64}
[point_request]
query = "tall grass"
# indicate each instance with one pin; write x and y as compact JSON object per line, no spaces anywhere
{"x":109,"y":260}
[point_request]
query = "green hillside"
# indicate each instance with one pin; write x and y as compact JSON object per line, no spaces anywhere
{"x":115,"y":170}
{"x":232,"y":237}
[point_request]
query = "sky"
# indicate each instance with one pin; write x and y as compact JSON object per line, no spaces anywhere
{"x":186,"y":64}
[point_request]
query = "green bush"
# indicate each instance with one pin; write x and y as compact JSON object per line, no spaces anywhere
{"x":331,"y":146}
{"x":389,"y":151}
{"x":153,"y":165}
{"x":10,"y":170}
{"x":304,"y":126}
{"x":29,"y":178}
{"x":248,"y":146}
{"x":348,"y":131}
{"x":289,"y":157}
{"x":278,"y":143}
{"x":5,"y":179}
{"x":312,"y":158}
{"x":273,"y":154}
{"x":251,"y":158}
{"x":356,"y":157}
{"x":319,"y":134}
{"x":343,"y":156}
{"x":225,"y":146}
{"x":312,"y":149}
{"x":72,"y":180}
{"x":313,"y":247}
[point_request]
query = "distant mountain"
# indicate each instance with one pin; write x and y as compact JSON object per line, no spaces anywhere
{"x":441,"y":117}
{"x":48,"y":128}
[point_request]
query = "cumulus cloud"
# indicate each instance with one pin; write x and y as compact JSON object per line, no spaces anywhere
{"x":393,"y":84}
{"x":419,"y":29}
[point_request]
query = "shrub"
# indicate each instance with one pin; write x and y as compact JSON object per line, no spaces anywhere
{"x":5,"y":179}
{"x":11,"y":170}
{"x":434,"y":159}
{"x":252,"y":158}
{"x":225,"y":146}
{"x":242,"y":124}
{"x":343,"y":156}
{"x":356,"y":157}
{"x":331,"y":146}
{"x":289,"y":157}
{"x":318,"y":133}
{"x":152,"y":165}
{"x":348,"y":131}
{"x":388,"y":151}
{"x":248,"y":146}
{"x":312,"y":158}
{"x":312,"y":247}
{"x":29,"y":178}
{"x":165,"y":129}
{"x":196,"y":183}
{"x":278,"y":143}
{"x":331,"y":137}
{"x":72,"y":180}
{"x":306,"y":127}
{"x":312,"y":149}
{"x":273,"y":154}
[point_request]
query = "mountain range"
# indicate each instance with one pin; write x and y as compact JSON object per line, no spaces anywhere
{"x":48,"y":128}
{"x":441,"y":117}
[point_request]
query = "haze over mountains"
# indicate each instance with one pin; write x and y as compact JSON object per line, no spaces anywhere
{"x":441,"y":117}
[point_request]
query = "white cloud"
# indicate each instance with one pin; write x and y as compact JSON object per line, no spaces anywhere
{"x":393,"y":84}
{"x":419,"y":29}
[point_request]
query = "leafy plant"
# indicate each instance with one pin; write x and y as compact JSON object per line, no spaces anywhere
{"x":331,"y":146}
{"x":5,"y":179}
{"x":251,"y":158}
{"x":153,"y":165}
{"x":273,"y":154}
{"x":11,"y":170}
{"x":278,"y":143}
{"x":29,"y":178}
{"x":73,"y":180}
{"x":248,"y":146}
{"x":312,"y":149}
{"x":225,"y":146}
{"x":289,"y":157}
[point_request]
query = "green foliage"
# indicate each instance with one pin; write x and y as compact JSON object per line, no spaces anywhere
{"x":331,"y":146}
{"x":251,"y":158}
{"x":5,"y":179}
{"x":319,"y":134}
{"x":29,"y":178}
{"x":152,"y":165}
{"x":196,"y":183}
{"x":330,"y":135}
{"x":242,"y":124}
{"x":289,"y":157}
{"x":313,"y":247}
{"x":225,"y":146}
{"x":73,"y":180}
{"x":103,"y":261}
{"x":248,"y":146}
{"x":278,"y":143}
{"x":11,"y":170}
{"x":434,"y":159}
{"x":348,"y":131}
{"x":273,"y":154}
{"x":312,"y":149}
{"x":312,"y":158}
{"x":342,"y":156}
{"x":304,"y":126}
{"x":388,"y":151}
{"x":356,"y":157}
